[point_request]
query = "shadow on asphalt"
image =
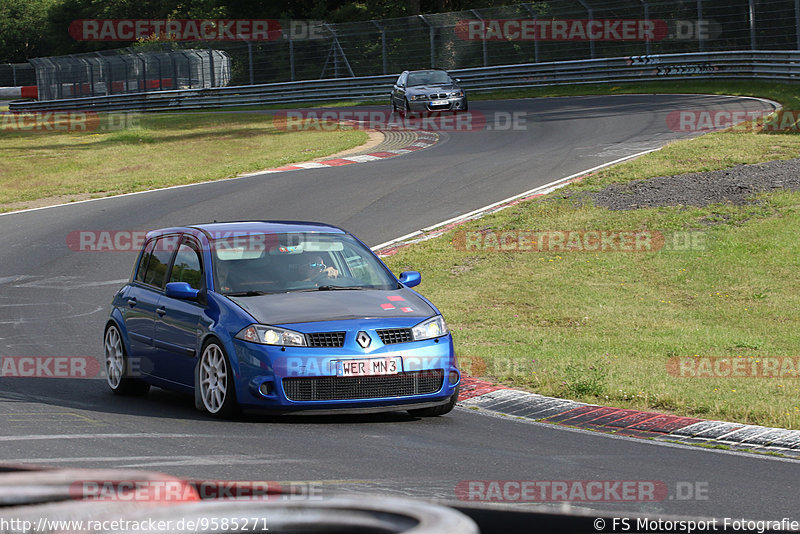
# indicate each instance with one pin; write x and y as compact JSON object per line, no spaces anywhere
{"x":94,"y":396}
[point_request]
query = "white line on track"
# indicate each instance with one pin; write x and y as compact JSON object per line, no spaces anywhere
{"x":135,"y":462}
{"x":38,"y":437}
{"x":542,"y":189}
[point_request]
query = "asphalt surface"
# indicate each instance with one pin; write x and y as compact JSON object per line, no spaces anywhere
{"x":54,"y":301}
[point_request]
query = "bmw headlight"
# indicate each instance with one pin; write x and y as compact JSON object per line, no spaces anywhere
{"x":457,"y":94}
{"x":418,"y":97}
{"x":433,"y":327}
{"x":270,"y":335}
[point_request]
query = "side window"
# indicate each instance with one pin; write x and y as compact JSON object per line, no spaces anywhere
{"x":159,"y":261}
{"x":402,"y":79}
{"x":142,"y":268}
{"x":187,"y":266}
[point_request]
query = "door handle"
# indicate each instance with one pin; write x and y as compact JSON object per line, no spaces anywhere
{"x":132,"y":302}
{"x":161,"y":311}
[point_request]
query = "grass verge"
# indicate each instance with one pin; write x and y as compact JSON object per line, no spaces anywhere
{"x":149,"y":151}
{"x":603,"y":327}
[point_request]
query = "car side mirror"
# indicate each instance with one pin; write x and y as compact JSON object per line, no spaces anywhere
{"x":410,"y":278}
{"x":181,"y":290}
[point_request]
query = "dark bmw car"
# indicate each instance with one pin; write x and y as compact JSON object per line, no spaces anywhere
{"x":427,"y":90}
{"x":280,"y":316}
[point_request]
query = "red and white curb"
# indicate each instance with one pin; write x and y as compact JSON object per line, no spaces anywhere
{"x":423,"y":140}
{"x":625,"y":422}
{"x":476,"y":393}
{"x":24,"y":91}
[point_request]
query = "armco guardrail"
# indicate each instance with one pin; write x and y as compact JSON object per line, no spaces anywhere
{"x":779,"y":66}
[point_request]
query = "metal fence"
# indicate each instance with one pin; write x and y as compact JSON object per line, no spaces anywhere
{"x":783,"y":66}
{"x":556,"y":30}
{"x":537,"y":32}
{"x":16,"y":74}
{"x":130,"y":71}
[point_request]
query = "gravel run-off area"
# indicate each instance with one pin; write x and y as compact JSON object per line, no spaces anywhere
{"x":736,"y":185}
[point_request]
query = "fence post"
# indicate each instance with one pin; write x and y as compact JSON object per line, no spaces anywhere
{"x":291,"y":57}
{"x":250,"y":60}
{"x":383,"y":43}
{"x":211,"y":66}
{"x":752,"y":17}
{"x":701,"y":44}
{"x":647,"y":18}
{"x":536,"y":37}
{"x":14,"y":73}
{"x":432,"y":42}
{"x":483,"y":37}
{"x":797,"y":21}
{"x":590,"y":14}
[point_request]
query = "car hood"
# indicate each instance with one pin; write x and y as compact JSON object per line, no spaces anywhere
{"x":305,"y":307}
{"x":432,"y":88}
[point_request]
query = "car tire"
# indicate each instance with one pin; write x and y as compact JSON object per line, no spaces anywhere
{"x":466,"y":107}
{"x":436,"y":410}
{"x":394,"y":106}
{"x":117,"y":365}
{"x":215,"y":382}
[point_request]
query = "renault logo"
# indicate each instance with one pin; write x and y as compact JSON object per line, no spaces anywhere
{"x":363,"y":339}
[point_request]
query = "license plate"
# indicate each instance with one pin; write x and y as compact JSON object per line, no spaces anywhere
{"x":369,"y":367}
{"x":439,"y":102}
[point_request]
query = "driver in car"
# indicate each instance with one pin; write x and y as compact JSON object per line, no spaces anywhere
{"x":316,"y":270}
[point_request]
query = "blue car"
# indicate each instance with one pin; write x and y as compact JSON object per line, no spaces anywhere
{"x":277,"y":316}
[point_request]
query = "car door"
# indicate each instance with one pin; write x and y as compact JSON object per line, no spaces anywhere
{"x":141,"y":301}
{"x":177,"y":323}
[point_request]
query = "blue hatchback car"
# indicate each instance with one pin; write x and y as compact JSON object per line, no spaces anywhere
{"x":278,"y":316}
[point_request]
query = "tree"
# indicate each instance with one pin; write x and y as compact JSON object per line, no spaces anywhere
{"x":23,"y":29}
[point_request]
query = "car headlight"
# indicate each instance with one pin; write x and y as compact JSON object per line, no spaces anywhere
{"x":433,"y":327}
{"x":457,"y":94}
{"x":270,"y":335}
{"x":418,"y":97}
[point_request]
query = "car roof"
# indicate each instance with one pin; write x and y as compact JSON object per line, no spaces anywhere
{"x":427,"y":70}
{"x":214,"y":229}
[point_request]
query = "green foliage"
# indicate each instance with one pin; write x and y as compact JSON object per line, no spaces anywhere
{"x":22,"y":29}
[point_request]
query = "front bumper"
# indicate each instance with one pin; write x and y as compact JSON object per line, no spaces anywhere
{"x":452,"y":104}
{"x":428,"y":377}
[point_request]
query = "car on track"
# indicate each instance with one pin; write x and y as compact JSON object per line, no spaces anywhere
{"x":427,"y":90}
{"x":279,"y":316}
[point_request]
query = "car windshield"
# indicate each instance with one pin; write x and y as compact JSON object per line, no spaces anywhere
{"x":428,"y":77}
{"x":258,"y":263}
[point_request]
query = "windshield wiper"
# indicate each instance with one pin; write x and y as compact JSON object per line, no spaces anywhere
{"x":246,"y":294}
{"x":334,"y":288}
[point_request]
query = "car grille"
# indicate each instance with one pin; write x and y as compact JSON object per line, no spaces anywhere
{"x":325,"y":339}
{"x":324,"y":388}
{"x":437,"y":95}
{"x":395,"y":335}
